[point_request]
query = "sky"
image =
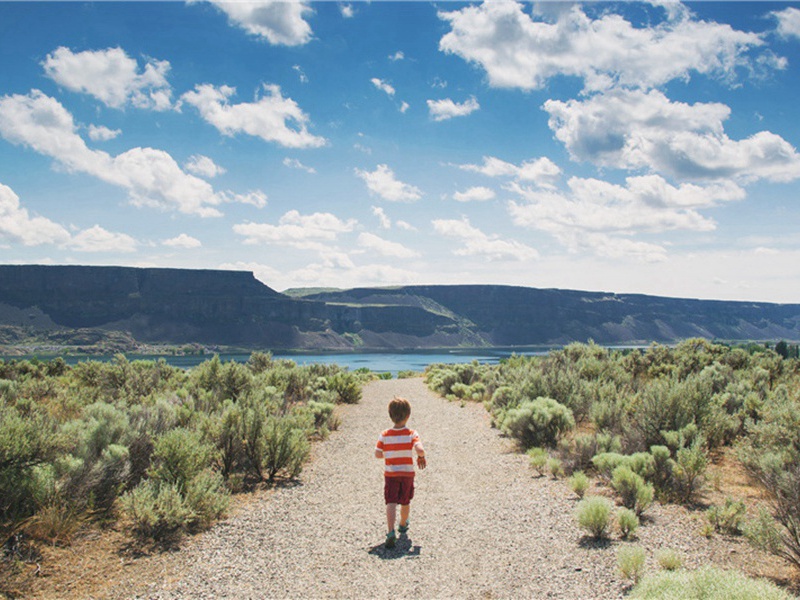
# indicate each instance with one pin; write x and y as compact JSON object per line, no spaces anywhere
{"x":621,"y":147}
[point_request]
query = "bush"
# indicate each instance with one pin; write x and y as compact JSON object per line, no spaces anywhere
{"x":688,"y":470}
{"x":538,"y":422}
{"x":669,"y":559}
{"x":635,"y":493}
{"x":709,"y":583}
{"x":628,"y":522}
{"x":346,"y":386}
{"x":555,"y":467}
{"x":579,"y":483}
{"x":156,"y":509}
{"x":728,"y":518}
{"x":593,"y":513}
{"x":630,"y":560}
{"x":607,"y":462}
{"x":286,"y":447}
{"x":538,"y":458}
{"x":179,"y":456}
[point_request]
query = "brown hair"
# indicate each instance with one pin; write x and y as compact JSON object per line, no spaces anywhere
{"x":399,"y":410}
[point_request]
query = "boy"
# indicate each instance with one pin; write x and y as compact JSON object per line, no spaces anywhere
{"x":395,"y":447}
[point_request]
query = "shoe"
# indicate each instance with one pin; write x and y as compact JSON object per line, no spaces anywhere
{"x":390,"y":539}
{"x":404,"y":528}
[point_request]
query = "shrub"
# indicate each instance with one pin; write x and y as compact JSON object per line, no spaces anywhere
{"x":710,"y":583}
{"x":628,"y":522}
{"x":669,"y":559}
{"x":55,"y":522}
{"x":662,"y":469}
{"x":179,"y":456}
{"x":286,"y":447}
{"x":607,"y":462}
{"x":156,"y":509}
{"x":728,"y":518}
{"x":538,"y":422}
{"x":593,"y":513}
{"x":555,"y":467}
{"x":538,"y":458}
{"x":630,"y":560}
{"x":688,"y":470}
{"x":346,"y":386}
{"x":635,"y":493}
{"x":579,"y":483}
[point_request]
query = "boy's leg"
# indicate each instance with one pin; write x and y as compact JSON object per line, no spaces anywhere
{"x":405,"y":511}
{"x":391,"y":516}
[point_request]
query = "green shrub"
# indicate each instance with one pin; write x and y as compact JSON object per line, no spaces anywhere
{"x":538,"y":459}
{"x":538,"y":422}
{"x":407,"y":374}
{"x":662,"y":469}
{"x":593,"y":514}
{"x":179,"y":456}
{"x":579,"y":483}
{"x":688,"y":470}
{"x":634,"y":492}
{"x":630,"y":560}
{"x":286,"y":447}
{"x":607,"y":462}
{"x":555,"y":466}
{"x":669,"y":559}
{"x":207,"y":498}
{"x":709,"y":583}
{"x":728,"y":518}
{"x":157,"y":510}
{"x":628,"y":522}
{"x":346,"y":386}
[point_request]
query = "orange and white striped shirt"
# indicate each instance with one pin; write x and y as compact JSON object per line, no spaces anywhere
{"x":397,"y":446}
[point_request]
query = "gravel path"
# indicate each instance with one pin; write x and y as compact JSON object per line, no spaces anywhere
{"x":482,"y":525}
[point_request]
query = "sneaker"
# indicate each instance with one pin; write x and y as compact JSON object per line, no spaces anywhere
{"x":403,"y":528}
{"x":390,"y":539}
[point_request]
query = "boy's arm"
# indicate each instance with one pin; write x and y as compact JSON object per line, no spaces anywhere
{"x":421,"y":462}
{"x":378,"y":453}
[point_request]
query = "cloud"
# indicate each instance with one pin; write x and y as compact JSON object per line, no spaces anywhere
{"x":17,"y":225}
{"x":399,"y":55}
{"x":441,"y":110}
{"x":383,"y":86}
{"x":112,"y":77}
{"x":97,"y":239}
{"x":347,"y":10}
{"x":273,"y":118}
{"x":788,"y":22}
{"x":519,"y":51}
{"x":384,"y":247}
{"x":543,"y":171}
{"x":477,"y":243}
{"x":385,"y":222}
{"x":278,"y":22}
{"x":404,"y":107}
{"x":645,"y":130}
{"x":150,"y":176}
{"x":183,"y":241}
{"x":293,"y":163}
{"x":300,"y":73}
{"x":474,"y":194}
{"x":203,"y":166}
{"x":98,"y":133}
{"x":306,"y":232}
{"x":383,"y":183}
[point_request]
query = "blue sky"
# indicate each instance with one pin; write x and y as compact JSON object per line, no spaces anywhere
{"x":625,"y":147}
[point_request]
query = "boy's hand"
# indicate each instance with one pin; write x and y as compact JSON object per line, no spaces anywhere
{"x":421,"y":462}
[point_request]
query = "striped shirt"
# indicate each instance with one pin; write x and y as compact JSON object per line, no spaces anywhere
{"x":397,"y":445}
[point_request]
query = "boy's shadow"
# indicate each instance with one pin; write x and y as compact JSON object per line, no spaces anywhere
{"x":403,"y":548}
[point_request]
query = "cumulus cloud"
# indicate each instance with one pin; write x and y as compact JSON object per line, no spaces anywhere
{"x":293,"y":163}
{"x":383,"y":86}
{"x":474,"y":194}
{"x":477,"y":243}
{"x":374,"y":243}
{"x":112,"y":77}
{"x":19,"y":226}
{"x":300,"y":73}
{"x":273,"y":118}
{"x":404,"y":106}
{"x":383,"y":219}
{"x":519,"y":50}
{"x":633,"y":129}
{"x":150,"y":176}
{"x":383,"y":183}
{"x":542,"y":171}
{"x":788,"y":22}
{"x":97,"y":239}
{"x":203,"y":166}
{"x":399,"y":55}
{"x":278,"y":22}
{"x":183,"y":241}
{"x":347,"y":10}
{"x":306,"y":232}
{"x":98,"y":133}
{"x":441,"y":110}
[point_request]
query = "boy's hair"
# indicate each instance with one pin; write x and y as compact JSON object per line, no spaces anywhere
{"x":399,"y":410}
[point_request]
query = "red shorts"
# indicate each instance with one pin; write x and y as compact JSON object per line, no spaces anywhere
{"x":398,"y":490}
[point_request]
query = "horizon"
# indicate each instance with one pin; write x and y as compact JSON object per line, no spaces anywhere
{"x":644,"y":148}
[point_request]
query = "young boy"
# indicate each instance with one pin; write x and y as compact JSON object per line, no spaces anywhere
{"x":395,"y":447}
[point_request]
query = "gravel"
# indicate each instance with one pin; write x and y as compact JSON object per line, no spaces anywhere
{"x":482,"y":524}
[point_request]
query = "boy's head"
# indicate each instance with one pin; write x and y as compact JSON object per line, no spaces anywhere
{"x":399,"y":410}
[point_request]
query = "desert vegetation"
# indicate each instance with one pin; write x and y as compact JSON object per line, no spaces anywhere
{"x":645,"y":424}
{"x":149,"y":447}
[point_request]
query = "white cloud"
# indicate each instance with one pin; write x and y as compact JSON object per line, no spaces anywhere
{"x":645,"y":130}
{"x":307,"y":232}
{"x":151,"y":177}
{"x":399,"y":55}
{"x":375,"y":243}
{"x":293,"y":163}
{"x":404,"y":107}
{"x":203,"y":166}
{"x":97,"y":239}
{"x":441,"y":110}
{"x":383,"y":86}
{"x":112,"y":77}
{"x":279,"y":22}
{"x":17,"y":225}
{"x":273,"y":118}
{"x":256,"y":198}
{"x":300,"y":73}
{"x":183,"y":241}
{"x":98,"y":133}
{"x":788,"y":22}
{"x":474,"y":194}
{"x":383,"y":183}
{"x":347,"y":10}
{"x":519,"y":51}
{"x":543,"y":171}
{"x":477,"y":243}
{"x":384,"y":220}
{"x":405,"y":225}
